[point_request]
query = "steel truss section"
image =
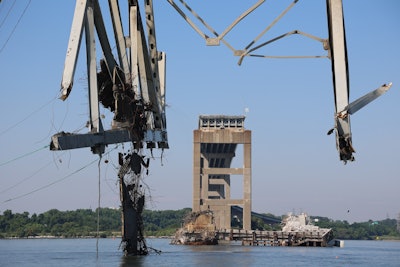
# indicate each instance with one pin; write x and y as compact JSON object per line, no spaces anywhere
{"x":143,"y":72}
{"x":337,"y":52}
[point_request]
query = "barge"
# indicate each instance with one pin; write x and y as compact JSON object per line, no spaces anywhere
{"x":297,"y":230}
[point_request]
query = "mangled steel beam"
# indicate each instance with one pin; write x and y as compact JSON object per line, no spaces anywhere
{"x":340,"y":75}
{"x":65,"y":141}
{"x":133,"y":89}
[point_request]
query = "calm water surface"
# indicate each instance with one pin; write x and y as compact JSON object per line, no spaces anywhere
{"x":82,"y":252}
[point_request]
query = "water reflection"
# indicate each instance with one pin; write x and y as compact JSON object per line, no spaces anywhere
{"x":132,"y":261}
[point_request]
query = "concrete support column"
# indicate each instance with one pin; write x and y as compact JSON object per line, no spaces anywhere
{"x":247,"y":181}
{"x":227,"y":187}
{"x":204,"y":184}
{"x":196,"y":171}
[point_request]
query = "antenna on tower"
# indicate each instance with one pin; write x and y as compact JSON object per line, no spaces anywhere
{"x":246,"y":110}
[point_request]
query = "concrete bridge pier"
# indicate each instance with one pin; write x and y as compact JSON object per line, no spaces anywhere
{"x":214,"y":147}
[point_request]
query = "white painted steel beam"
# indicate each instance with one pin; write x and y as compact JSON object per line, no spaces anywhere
{"x":133,"y":33}
{"x":144,"y":71}
{"x":236,"y":21}
{"x":94,"y":112}
{"x":95,"y":125}
{"x":102,"y":35}
{"x":154,"y":60}
{"x":143,"y":66}
{"x":73,"y":48}
{"x":338,"y":54}
{"x":120,"y":38}
{"x":361,"y":102}
{"x":245,"y":50}
{"x":162,"y":61}
{"x":146,"y":79}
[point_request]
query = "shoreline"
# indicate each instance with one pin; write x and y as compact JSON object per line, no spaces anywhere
{"x":393,"y":239}
{"x":79,"y":237}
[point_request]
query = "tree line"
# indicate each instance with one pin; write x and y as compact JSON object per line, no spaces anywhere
{"x":383,"y":229}
{"x":370,"y":230}
{"x":83,"y":223}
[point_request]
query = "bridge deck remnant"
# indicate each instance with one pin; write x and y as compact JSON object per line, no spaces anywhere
{"x":319,"y":238}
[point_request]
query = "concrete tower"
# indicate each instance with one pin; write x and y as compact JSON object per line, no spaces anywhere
{"x":214,"y":147}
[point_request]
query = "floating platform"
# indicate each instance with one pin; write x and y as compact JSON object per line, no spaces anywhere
{"x":297,"y":230}
{"x":318,"y":238}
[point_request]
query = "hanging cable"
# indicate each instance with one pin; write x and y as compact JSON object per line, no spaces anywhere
{"x":12,"y":32}
{"x":25,"y":179}
{"x":27,"y":117}
{"x":28,"y":177}
{"x":50,"y":184}
{"x":109,"y":162}
{"x":24,"y":155}
{"x":8,"y":13}
{"x":55,"y":182}
{"x":98,"y":210}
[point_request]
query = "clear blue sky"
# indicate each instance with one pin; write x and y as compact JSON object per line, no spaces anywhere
{"x":295,"y":164}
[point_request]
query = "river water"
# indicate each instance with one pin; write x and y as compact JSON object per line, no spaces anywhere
{"x":83,"y":252}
